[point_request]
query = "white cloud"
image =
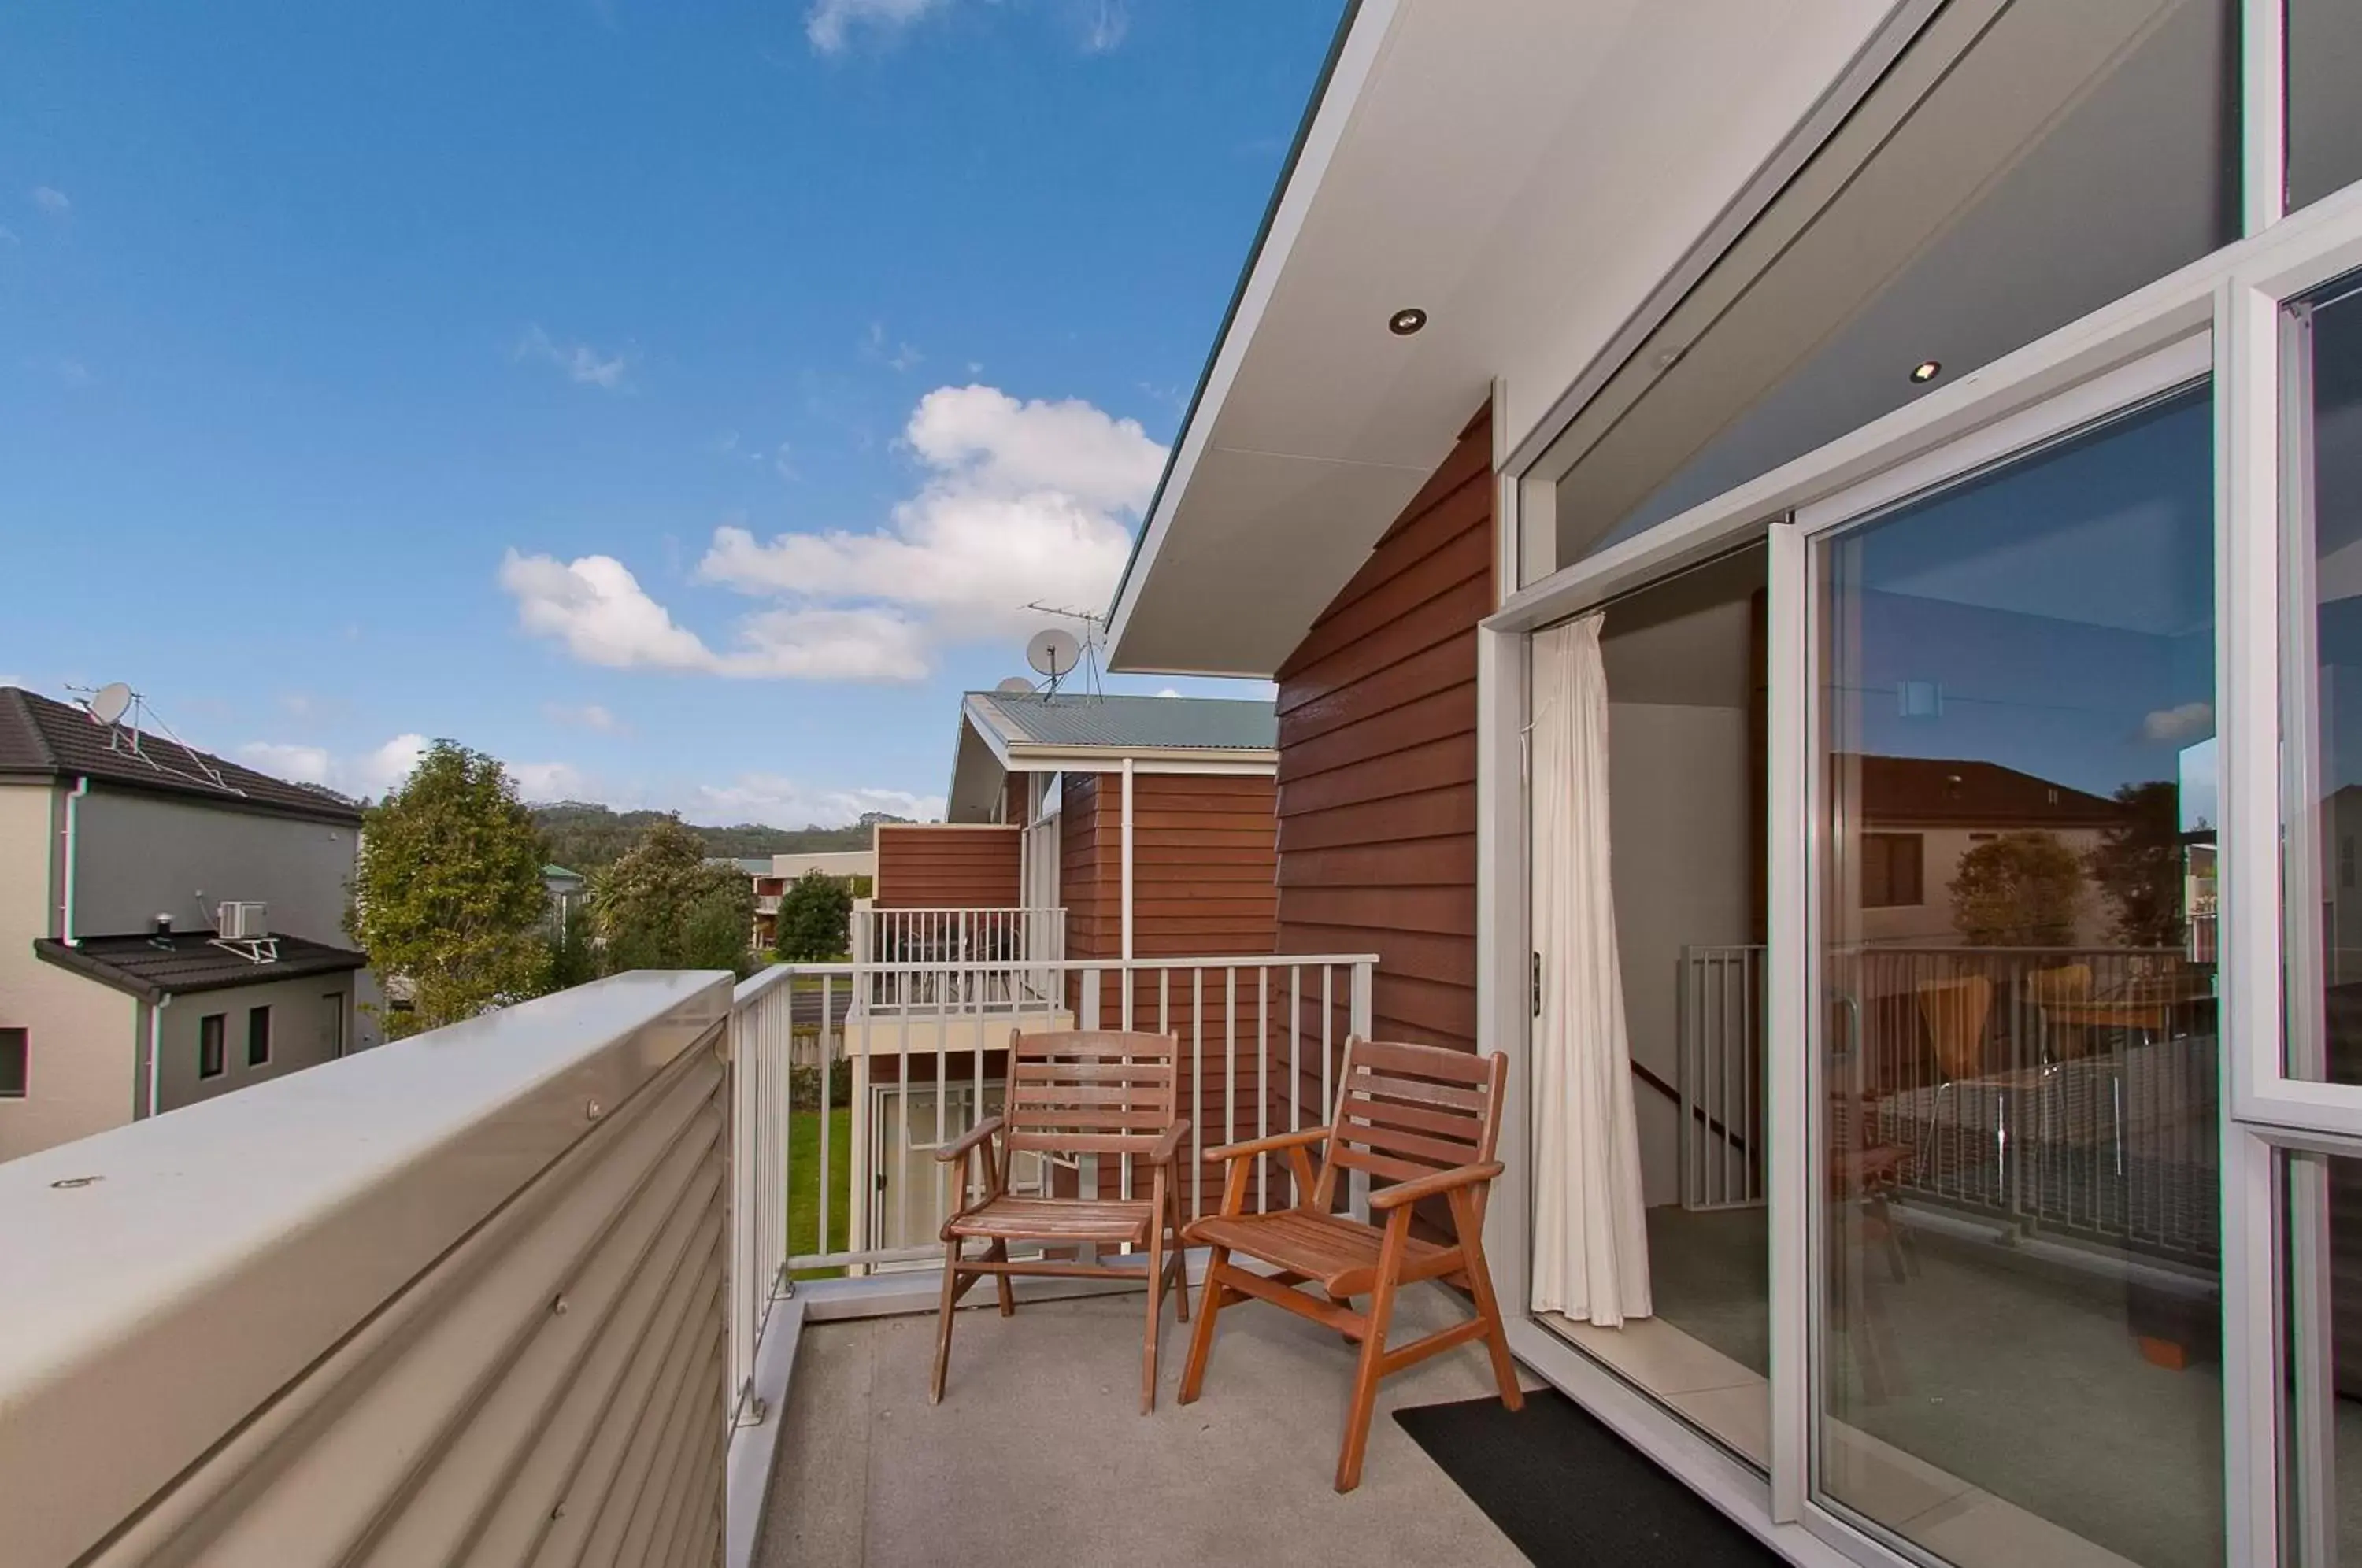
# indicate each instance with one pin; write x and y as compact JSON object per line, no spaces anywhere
{"x":893,"y":355}
{"x":297,"y":764}
{"x":51,"y":200}
{"x":1024,"y":502}
{"x":830,"y":24}
{"x":550,"y":781}
{"x":596,"y":608}
{"x":2178,"y":726}
{"x":373,"y":773}
{"x":780,"y":801}
{"x":588,"y":716}
{"x":1021,"y":503}
{"x":1108,"y":21}
{"x":73,"y":372}
{"x":583,"y":365}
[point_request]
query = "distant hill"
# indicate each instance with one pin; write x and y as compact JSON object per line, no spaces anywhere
{"x":585,"y":836}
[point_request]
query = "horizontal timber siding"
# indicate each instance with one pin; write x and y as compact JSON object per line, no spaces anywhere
{"x":1377,"y":770}
{"x":1203,"y":861}
{"x":936,"y":865}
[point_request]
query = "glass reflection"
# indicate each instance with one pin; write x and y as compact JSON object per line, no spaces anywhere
{"x":2019,"y":1258}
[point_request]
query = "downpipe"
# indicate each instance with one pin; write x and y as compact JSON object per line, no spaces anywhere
{"x":66,"y":893}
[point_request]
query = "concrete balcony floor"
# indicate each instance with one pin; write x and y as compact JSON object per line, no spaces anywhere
{"x":1039,"y":1453}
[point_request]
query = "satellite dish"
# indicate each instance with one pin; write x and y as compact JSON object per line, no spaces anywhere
{"x":1053,"y":652}
{"x":1015,"y":686}
{"x":110,"y":703}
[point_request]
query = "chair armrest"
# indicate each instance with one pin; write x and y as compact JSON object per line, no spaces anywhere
{"x":1170,"y":1144}
{"x":1395,"y":1196}
{"x":968,"y":1139}
{"x":1271,"y":1145}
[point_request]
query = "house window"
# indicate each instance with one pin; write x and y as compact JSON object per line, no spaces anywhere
{"x":258,"y":1037}
{"x":212,"y":1031}
{"x":16,"y":1049}
{"x":1891,"y":870}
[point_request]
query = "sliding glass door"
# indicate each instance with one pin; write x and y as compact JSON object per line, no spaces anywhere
{"x":2012,"y":1176}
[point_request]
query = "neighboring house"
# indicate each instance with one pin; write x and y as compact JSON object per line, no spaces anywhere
{"x":774,"y":874}
{"x":117,"y":850}
{"x":566,"y":889}
{"x":1920,"y":815}
{"x":1147,"y":819}
{"x":1080,"y":827}
{"x":1881,"y":322}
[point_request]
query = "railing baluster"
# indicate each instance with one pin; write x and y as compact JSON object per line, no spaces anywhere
{"x":1296,"y":1065}
{"x":1262,"y":1082}
{"x":1230,"y":1055}
{"x":1197,"y":1088}
{"x":827,"y":1063}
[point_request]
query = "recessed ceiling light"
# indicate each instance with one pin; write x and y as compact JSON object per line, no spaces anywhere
{"x":1403,"y":323}
{"x":1927,"y":371}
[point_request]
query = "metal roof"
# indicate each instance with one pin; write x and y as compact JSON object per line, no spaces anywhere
{"x":1175,"y":724}
{"x":152,"y":966}
{"x":41,"y":737}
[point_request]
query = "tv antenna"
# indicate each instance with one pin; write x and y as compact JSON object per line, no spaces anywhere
{"x":108,"y":706}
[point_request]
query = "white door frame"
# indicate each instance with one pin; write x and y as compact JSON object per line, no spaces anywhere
{"x":2228,"y":305}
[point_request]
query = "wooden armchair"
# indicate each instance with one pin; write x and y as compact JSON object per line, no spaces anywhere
{"x":1072,"y":1092}
{"x":1421,"y":1115}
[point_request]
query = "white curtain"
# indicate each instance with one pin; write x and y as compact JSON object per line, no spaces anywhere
{"x":1591,"y":1239}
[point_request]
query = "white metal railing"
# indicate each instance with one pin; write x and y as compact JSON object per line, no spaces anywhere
{"x":1719,"y":1006}
{"x":457,"y":1297}
{"x":992,"y":958}
{"x":833,"y":1170}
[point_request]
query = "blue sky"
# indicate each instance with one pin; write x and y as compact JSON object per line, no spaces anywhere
{"x":679,"y":402}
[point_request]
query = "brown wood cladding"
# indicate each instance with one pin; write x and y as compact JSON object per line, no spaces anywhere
{"x":1377,"y":770}
{"x":1203,"y":860}
{"x":938,"y":866}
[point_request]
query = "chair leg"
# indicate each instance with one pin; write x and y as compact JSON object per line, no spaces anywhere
{"x":944,"y":1320}
{"x":1365,"y":1384}
{"x":1201,"y":1342}
{"x":1156,"y":1319}
{"x":1480,"y":1285}
{"x":999,"y":1250}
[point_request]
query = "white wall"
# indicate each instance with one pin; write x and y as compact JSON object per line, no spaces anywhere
{"x":1678,"y":801}
{"x":79,"y":1066}
{"x":139,"y":856}
{"x":299,"y":1034}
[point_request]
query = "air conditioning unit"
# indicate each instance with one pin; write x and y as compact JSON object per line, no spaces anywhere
{"x":243,"y":921}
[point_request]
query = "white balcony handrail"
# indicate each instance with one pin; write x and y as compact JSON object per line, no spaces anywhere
{"x":421,"y":1300}
{"x":1261,"y":1038}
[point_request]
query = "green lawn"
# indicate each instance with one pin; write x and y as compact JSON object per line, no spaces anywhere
{"x":803,"y":1185}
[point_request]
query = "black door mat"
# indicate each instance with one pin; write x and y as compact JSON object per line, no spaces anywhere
{"x":1570,"y":1493}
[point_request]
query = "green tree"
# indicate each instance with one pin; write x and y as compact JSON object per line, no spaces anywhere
{"x":2138,"y":865}
{"x":815,"y":918}
{"x":660,"y":906}
{"x":447,"y":898}
{"x":2020,"y":889}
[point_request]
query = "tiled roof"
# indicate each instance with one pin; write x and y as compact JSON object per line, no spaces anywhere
{"x":151,"y":966}
{"x":40,"y":737}
{"x":1180,"y":724}
{"x":1962,"y":793}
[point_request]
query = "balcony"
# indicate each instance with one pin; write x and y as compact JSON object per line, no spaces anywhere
{"x":532,"y":1288}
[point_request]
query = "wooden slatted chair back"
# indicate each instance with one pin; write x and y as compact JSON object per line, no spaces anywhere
{"x":1090,"y":1091}
{"x":1404,"y":1111}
